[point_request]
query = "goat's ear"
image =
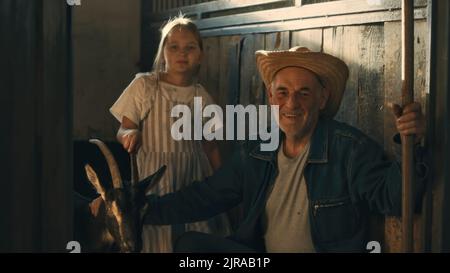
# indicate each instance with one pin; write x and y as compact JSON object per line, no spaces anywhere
{"x":93,"y":178}
{"x":152,"y":180}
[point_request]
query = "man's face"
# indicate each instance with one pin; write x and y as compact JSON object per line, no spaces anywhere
{"x":300,"y":97}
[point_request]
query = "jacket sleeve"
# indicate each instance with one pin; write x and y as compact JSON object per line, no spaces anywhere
{"x":201,"y":199}
{"x":378,"y":181}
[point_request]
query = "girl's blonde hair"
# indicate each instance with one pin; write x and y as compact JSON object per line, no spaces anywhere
{"x":181,"y":22}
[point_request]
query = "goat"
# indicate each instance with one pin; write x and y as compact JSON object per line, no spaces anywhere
{"x":118,"y":222}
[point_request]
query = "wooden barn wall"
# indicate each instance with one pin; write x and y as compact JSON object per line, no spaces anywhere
{"x":373,"y":54}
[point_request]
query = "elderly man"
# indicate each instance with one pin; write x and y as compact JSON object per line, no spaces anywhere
{"x":315,"y":192}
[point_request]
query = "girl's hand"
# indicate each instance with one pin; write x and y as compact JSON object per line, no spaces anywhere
{"x":132,"y":140}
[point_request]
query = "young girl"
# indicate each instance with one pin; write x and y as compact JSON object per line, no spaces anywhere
{"x":144,"y":112}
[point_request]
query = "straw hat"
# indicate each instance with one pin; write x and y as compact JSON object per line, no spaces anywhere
{"x":332,"y":72}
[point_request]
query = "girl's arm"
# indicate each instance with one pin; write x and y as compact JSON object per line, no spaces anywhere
{"x":212,"y":152}
{"x":129,"y":135}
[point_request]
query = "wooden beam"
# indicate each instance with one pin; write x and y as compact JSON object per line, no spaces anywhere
{"x":311,"y":23}
{"x":327,"y":9}
{"x":212,"y":6}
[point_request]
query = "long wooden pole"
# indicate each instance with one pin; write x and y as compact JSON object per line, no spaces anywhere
{"x":407,"y":142}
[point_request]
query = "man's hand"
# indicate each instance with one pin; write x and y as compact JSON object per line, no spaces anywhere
{"x":410,"y":120}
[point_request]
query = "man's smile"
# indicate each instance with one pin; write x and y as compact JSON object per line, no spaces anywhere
{"x":291,"y":115}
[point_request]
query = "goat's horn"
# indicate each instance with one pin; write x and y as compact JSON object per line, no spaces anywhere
{"x":112,"y":164}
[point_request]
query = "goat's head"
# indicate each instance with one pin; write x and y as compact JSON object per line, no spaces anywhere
{"x":124,"y":202}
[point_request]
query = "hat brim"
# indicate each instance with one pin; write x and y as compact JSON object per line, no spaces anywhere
{"x":332,"y":71}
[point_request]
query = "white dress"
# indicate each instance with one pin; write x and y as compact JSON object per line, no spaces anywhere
{"x":148,"y":104}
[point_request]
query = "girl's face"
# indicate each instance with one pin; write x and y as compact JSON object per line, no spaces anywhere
{"x":182,"y":53}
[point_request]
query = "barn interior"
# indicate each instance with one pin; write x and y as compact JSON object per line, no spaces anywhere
{"x":64,"y":63}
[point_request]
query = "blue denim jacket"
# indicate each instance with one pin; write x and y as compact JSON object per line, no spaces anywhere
{"x":347,"y":176}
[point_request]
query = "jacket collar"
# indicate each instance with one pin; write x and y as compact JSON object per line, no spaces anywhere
{"x":266,"y":155}
{"x":319,"y":142}
{"x":319,"y":145}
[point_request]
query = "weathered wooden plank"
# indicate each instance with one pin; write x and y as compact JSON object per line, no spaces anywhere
{"x":212,"y":6}
{"x":392,"y":77}
{"x":343,"y":42}
{"x":228,"y":45}
{"x":393,"y":53}
{"x":248,"y":69}
{"x":360,"y":47}
{"x":229,"y":78}
{"x":251,"y":85}
{"x":311,"y":39}
{"x":420,"y":63}
{"x":258,"y":88}
{"x":371,"y":82}
{"x":209,"y":70}
{"x":213,"y":75}
{"x":259,"y":91}
{"x":234,"y":65}
{"x":228,"y":54}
